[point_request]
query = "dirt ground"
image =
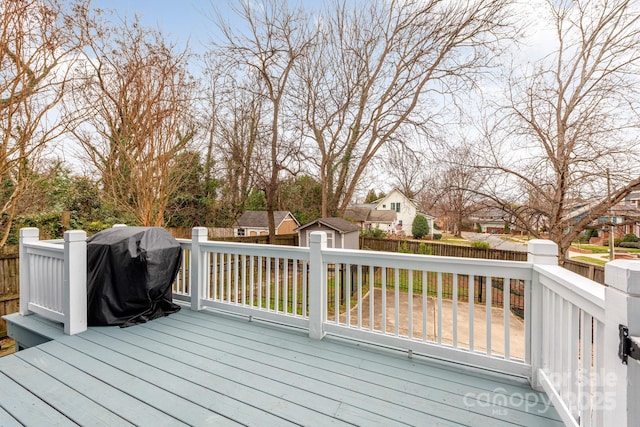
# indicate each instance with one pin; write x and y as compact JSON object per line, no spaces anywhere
{"x":516,"y":325}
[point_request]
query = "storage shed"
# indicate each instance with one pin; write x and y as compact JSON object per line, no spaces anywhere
{"x":341,"y":233}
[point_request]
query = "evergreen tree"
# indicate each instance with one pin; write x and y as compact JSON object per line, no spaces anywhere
{"x":420,"y":227}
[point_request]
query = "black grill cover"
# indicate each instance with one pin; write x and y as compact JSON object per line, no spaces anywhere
{"x":130,"y":271}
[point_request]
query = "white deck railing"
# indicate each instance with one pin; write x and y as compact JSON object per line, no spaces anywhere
{"x":53,"y":278}
{"x":528,"y":318}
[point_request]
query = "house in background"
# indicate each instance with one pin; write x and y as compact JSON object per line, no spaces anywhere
{"x":490,"y":220}
{"x":341,"y":233}
{"x":633,"y":199}
{"x":367,"y":217}
{"x":405,"y":209}
{"x":256,"y":223}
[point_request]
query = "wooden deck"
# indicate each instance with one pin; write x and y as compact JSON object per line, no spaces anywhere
{"x":201,"y":368}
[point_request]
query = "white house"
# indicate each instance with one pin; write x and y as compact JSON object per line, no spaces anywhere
{"x":405,"y":209}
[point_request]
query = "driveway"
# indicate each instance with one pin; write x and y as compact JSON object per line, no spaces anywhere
{"x":495,"y":242}
{"x":516,"y":325}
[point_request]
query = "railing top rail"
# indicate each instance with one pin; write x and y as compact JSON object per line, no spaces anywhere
{"x":257,"y":249}
{"x":472,"y":266}
{"x":579,"y":286}
{"x":42,"y":244}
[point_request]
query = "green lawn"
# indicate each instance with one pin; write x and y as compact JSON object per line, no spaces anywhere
{"x":590,"y":260}
{"x":604,"y":249}
{"x":454,"y":241}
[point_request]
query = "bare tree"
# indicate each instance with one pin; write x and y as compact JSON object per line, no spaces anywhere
{"x":382,"y":69}
{"x":408,"y":168}
{"x":455,"y":190}
{"x":571,"y":116}
{"x":238,"y":128}
{"x":136,"y":97}
{"x":274,"y":41}
{"x":37,"y":50}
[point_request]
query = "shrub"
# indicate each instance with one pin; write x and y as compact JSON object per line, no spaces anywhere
{"x":424,"y":249}
{"x":630,"y":237}
{"x":480,"y":244}
{"x":635,"y":245}
{"x":420,"y":227}
{"x":403,"y":248}
{"x":374,"y":232}
{"x":437,"y":236}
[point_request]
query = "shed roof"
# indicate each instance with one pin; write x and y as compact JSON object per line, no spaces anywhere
{"x":337,"y":224}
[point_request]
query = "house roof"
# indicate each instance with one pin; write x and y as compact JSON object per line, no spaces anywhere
{"x":357,"y":213}
{"x":382,"y":216}
{"x":337,"y":224}
{"x":259,"y":219}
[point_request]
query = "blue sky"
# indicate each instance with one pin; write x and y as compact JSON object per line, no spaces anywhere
{"x":182,"y":19}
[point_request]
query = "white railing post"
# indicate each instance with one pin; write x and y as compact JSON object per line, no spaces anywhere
{"x":74,"y":298}
{"x":541,"y":252}
{"x":317,"y":285}
{"x":26,"y":235}
{"x":622,"y":307}
{"x":196,"y":269}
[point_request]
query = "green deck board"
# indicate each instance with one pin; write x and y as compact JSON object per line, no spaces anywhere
{"x":202,"y":378}
{"x":23,"y":406}
{"x":206,"y":367}
{"x":6,"y":420}
{"x":127,"y":407}
{"x":282,"y":383}
{"x":395,"y":371}
{"x":170,"y":403}
{"x":64,"y":399}
{"x":376,"y":398}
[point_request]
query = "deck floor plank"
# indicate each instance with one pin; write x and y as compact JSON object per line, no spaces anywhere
{"x":357,"y":389}
{"x":24,"y":407}
{"x":204,"y":368}
{"x":243,"y":388}
{"x":283,"y":383}
{"x":134,"y":411}
{"x":6,"y":420}
{"x":133,"y":384}
{"x":458,"y":384}
{"x":74,"y":405}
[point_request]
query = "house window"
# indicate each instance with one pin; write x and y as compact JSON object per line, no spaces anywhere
{"x":240,"y":232}
{"x":330,"y":239}
{"x":395,"y":207}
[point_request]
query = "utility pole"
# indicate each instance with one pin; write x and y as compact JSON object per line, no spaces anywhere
{"x":611,"y":229}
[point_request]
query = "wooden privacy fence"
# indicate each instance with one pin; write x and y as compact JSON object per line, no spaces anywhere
{"x":439,"y":249}
{"x":585,"y":269}
{"x":214,"y":233}
{"x":9,"y":284}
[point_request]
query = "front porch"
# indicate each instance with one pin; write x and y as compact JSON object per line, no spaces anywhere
{"x":455,"y":355}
